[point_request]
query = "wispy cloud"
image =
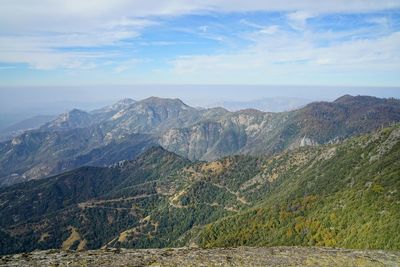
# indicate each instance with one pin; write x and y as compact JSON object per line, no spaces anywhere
{"x":121,"y":34}
{"x":270,"y":29}
{"x":284,"y":57}
{"x":126,"y":65}
{"x":298,"y":20}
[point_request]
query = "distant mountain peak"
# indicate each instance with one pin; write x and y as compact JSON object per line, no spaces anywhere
{"x":268,"y":104}
{"x":76,"y":111}
{"x":117,"y":106}
{"x":160,"y":100}
{"x":123,"y":103}
{"x":73,"y":118}
{"x":344,"y":98}
{"x":76,"y":114}
{"x":126,"y":101}
{"x":73,"y":114}
{"x":250,"y":111}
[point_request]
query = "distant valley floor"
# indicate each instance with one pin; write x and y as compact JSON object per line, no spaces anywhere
{"x":242,"y":256}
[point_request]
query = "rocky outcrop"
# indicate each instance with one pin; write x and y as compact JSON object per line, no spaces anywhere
{"x":242,"y":256}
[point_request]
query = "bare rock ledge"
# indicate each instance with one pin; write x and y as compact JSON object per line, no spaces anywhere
{"x":242,"y":256}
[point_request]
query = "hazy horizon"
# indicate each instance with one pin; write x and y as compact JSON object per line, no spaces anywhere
{"x":19,"y":103}
{"x":18,"y":98}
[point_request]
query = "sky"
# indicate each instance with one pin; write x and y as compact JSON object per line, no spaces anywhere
{"x":63,"y":43}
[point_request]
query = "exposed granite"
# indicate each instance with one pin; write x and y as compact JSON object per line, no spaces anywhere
{"x":243,"y":256}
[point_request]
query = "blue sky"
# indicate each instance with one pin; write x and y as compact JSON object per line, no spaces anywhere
{"x":121,"y":42}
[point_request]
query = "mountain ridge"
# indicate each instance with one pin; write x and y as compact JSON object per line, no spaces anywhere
{"x":22,"y":126}
{"x":197,"y":134}
{"x":307,"y":196}
{"x":269,"y":104}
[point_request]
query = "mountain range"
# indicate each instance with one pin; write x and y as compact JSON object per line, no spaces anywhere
{"x":126,"y":129}
{"x":342,"y":194}
{"x":24,"y":125}
{"x":269,"y":104}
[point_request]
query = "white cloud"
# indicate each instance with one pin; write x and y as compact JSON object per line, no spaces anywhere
{"x":126,"y":65}
{"x":44,"y":36}
{"x":80,"y":16}
{"x":271,"y":29}
{"x":46,"y":52}
{"x":311,"y":6}
{"x":203,"y":28}
{"x":298,"y":19}
{"x":285,"y":58}
{"x":36,"y":32}
{"x":48,"y":59}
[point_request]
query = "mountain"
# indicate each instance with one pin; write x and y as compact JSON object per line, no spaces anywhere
{"x":69,"y":139}
{"x":270,"y":104}
{"x":24,"y":125}
{"x":58,"y":151}
{"x":255,"y":132}
{"x":52,"y":206}
{"x":346,"y":116}
{"x":197,"y":134}
{"x":80,"y":119}
{"x":343,"y":194}
{"x":73,"y":119}
{"x":122,"y":104}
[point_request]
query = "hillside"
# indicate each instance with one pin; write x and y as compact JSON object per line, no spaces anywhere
{"x":343,"y":195}
{"x":37,"y":154}
{"x":76,"y":138}
{"x":24,"y":125}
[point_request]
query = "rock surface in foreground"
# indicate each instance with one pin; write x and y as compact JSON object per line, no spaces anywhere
{"x":244,"y":256}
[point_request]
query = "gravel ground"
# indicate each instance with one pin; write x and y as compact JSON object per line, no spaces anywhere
{"x":243,"y":256}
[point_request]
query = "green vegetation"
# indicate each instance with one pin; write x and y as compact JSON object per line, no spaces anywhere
{"x":349,"y":198}
{"x":340,"y":195}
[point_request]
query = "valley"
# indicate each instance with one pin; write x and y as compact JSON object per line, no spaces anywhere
{"x":309,"y":196}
